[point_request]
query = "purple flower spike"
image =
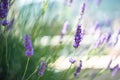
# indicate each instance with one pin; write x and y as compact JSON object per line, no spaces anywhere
{"x":42,"y":68}
{"x":78,"y":36}
{"x":70,"y":2}
{"x":97,"y":25}
{"x":83,"y":8}
{"x":98,"y":2}
{"x":10,"y":24}
{"x":116,"y":41}
{"x":28,"y":46}
{"x":6,"y":5}
{"x":3,"y":13}
{"x":119,"y":32}
{"x":108,"y":36}
{"x":64,"y":29}
{"x":78,"y":69}
{"x":5,"y":22}
{"x":72,"y":61}
{"x":115,"y":70}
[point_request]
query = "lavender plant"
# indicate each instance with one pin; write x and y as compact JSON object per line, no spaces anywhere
{"x":43,"y":21}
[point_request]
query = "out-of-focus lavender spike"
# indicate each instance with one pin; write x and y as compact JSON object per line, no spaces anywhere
{"x":115,"y":69}
{"x":64,"y":30}
{"x":28,"y":46}
{"x":4,"y":22}
{"x":116,"y":41}
{"x":42,"y":68}
{"x":98,"y":2}
{"x":70,"y":2}
{"x":10,"y":24}
{"x":72,"y":61}
{"x":78,"y":69}
{"x":119,"y":32}
{"x":110,"y":62}
{"x":108,"y":37}
{"x":83,"y":8}
{"x":96,"y":25}
{"x":100,"y":41}
{"x":83,"y":32}
{"x":3,"y":13}
{"x":107,"y":22}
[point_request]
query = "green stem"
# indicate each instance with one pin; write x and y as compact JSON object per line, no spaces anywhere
{"x":33,"y":73}
{"x":6,"y":53}
{"x":38,"y":77}
{"x":26,"y":68}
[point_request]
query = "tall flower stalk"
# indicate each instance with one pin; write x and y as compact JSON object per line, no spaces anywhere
{"x":78,"y":37}
{"x":42,"y":69}
{"x":29,"y":51}
{"x":4,"y":7}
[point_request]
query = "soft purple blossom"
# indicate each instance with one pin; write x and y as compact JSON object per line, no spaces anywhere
{"x":10,"y":24}
{"x":4,"y":22}
{"x":72,"y":61}
{"x":78,"y":36}
{"x":28,"y":46}
{"x":83,"y":8}
{"x":42,"y":68}
{"x":64,"y":29}
{"x":108,"y":36}
{"x":115,"y":69}
{"x":107,"y":22}
{"x":96,"y":26}
{"x":4,"y":5}
{"x":70,"y":2}
{"x":78,"y":69}
{"x":119,"y":32}
{"x":3,"y":13}
{"x":98,"y":2}
{"x":100,"y":40}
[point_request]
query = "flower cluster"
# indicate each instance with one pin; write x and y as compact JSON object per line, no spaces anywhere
{"x":78,"y":69}
{"x":28,"y":46}
{"x":4,"y":5}
{"x":42,"y":68}
{"x":78,"y":36}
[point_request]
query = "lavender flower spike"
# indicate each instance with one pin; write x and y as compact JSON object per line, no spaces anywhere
{"x":78,"y":69}
{"x":78,"y":36}
{"x":108,"y":36}
{"x":72,"y":61}
{"x":42,"y":68}
{"x":115,"y":70}
{"x":5,"y":22}
{"x":28,"y":46}
{"x":83,"y":8}
{"x":64,"y":29}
